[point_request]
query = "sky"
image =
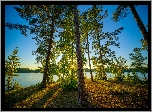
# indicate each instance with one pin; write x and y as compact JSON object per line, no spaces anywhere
{"x":129,"y":38}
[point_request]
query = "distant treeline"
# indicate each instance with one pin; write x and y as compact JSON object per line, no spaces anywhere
{"x":27,"y":70}
{"x":129,"y":70}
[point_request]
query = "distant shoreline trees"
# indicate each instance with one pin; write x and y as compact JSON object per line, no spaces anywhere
{"x":125,"y":70}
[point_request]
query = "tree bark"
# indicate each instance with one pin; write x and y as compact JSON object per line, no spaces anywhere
{"x":72,"y":71}
{"x":81,"y":83}
{"x":46,"y":71}
{"x":89,"y":59}
{"x":139,"y":22}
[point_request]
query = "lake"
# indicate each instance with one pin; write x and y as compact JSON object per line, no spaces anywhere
{"x":28,"y":79}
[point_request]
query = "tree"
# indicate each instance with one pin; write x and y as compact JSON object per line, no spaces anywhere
{"x":11,"y":64}
{"x":46,"y":71}
{"x":118,"y":68}
{"x":42,"y":21}
{"x":89,"y":59}
{"x":91,"y":22}
{"x":81,"y":90}
{"x":102,"y":52}
{"x":138,"y":60}
{"x":104,"y":55}
{"x":66,"y":45}
{"x":85,"y":27}
{"x":121,"y":12}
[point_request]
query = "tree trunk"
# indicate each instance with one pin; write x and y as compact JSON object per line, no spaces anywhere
{"x":139,"y":22}
{"x":81,"y":83}
{"x":89,"y":59}
{"x":45,"y":76}
{"x":72,"y":61}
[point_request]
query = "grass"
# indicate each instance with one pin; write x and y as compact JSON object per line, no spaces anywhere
{"x":100,"y":94}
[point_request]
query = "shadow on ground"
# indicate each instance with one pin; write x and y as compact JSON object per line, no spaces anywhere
{"x":12,"y":98}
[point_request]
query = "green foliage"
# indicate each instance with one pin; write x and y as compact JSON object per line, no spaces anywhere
{"x":11,"y":64}
{"x":138,"y":60}
{"x":120,"y":12}
{"x":128,"y":78}
{"x":110,"y":79}
{"x":43,"y":21}
{"x":144,"y":44}
{"x":119,"y":78}
{"x":9,"y":82}
{"x":88,"y":70}
{"x":132,"y":79}
{"x":100,"y":77}
{"x":70,"y":83}
{"x":145,"y":81}
{"x":16,"y":86}
{"x":116,"y":79}
{"x":104,"y":55}
{"x":117,"y":68}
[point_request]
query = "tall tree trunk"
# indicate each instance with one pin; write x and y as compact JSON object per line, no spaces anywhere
{"x":81,"y":83}
{"x":72,"y":61}
{"x":46,"y":71}
{"x":139,"y":22}
{"x":89,"y":59}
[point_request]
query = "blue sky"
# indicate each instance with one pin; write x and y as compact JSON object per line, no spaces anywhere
{"x":128,"y":39}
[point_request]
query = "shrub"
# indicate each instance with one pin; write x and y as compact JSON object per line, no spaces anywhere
{"x":70,"y":84}
{"x":145,"y":81}
{"x":110,"y":79}
{"x":119,"y":78}
{"x":9,"y":83}
{"x":100,"y":77}
{"x":134,"y":79}
{"x":128,"y":78}
{"x":16,"y":86}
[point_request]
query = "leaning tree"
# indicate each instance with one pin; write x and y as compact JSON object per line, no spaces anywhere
{"x":122,"y":11}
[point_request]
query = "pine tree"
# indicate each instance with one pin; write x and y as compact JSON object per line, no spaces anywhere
{"x":11,"y":65}
{"x":42,"y":21}
{"x":81,"y":83}
{"x":138,"y":60}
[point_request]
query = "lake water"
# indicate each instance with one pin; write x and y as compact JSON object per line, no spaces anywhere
{"x":28,"y":79}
